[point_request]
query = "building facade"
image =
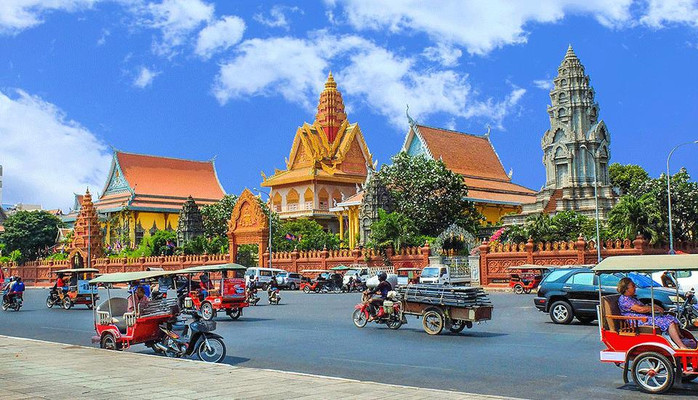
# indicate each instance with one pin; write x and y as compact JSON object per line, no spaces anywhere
{"x":144,"y":194}
{"x":328,"y":160}
{"x":576,"y":148}
{"x":474,"y":158}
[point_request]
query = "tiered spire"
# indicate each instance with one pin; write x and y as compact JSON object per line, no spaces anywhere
{"x":330,"y":110}
{"x":191,"y":223}
{"x":87,"y":234}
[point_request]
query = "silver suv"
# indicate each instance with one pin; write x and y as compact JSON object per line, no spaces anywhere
{"x":288,"y":280}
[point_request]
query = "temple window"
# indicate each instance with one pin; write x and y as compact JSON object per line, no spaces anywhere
{"x":277,"y":202}
{"x":562,"y":97}
{"x":324,"y":199}
{"x":308,"y":198}
{"x":563,"y":82}
{"x":561,"y":112}
{"x":292,"y":200}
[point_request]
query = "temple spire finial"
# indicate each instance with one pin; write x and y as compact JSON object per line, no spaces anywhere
{"x":330,"y":111}
{"x":570,"y":52}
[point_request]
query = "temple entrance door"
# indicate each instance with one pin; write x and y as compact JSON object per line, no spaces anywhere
{"x":560,"y":174}
{"x":248,"y":225}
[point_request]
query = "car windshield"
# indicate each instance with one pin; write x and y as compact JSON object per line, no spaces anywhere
{"x":351,"y":272}
{"x":430,"y":272}
{"x":281,"y":274}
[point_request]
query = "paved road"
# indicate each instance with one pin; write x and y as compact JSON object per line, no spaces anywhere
{"x":520,"y":353}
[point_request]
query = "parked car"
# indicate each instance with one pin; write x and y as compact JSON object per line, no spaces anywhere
{"x":264,"y":275}
{"x":288,"y":280}
{"x":573,"y":293}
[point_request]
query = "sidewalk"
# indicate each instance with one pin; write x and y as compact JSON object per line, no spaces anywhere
{"x":34,"y":369}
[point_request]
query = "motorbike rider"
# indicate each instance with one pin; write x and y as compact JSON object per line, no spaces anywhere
{"x":60,"y":287}
{"x":273,"y":285}
{"x":16,"y":289}
{"x":382,"y":290}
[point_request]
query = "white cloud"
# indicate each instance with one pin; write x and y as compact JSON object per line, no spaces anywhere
{"x":277,"y":17}
{"x":45,"y":156}
{"x":219,"y":36}
{"x":18,"y":15}
{"x":366,"y":67}
{"x":103,"y":39}
{"x":176,"y":19}
{"x":662,"y":12}
{"x":544,"y":84}
{"x":446,"y":55}
{"x":479,"y":26}
{"x":145,"y":77}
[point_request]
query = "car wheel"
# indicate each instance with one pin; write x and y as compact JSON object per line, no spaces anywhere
{"x":292,"y":286}
{"x":653,"y":373}
{"x":586,"y":320}
{"x":561,"y":312}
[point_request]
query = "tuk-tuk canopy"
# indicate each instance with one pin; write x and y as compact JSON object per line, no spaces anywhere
{"x":124,"y":277}
{"x":664,"y":262}
{"x":78,"y":270}
{"x":340,"y":268}
{"x":211,"y":268}
{"x":409,"y":269}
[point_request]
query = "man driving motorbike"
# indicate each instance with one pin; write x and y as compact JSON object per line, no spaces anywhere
{"x":377,"y":302}
{"x":16,"y":289}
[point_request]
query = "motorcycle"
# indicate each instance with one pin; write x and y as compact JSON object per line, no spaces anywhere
{"x":390,"y":313}
{"x":13,"y":304}
{"x":252,"y":297}
{"x":195,"y":338}
{"x":53,"y":298}
{"x":274,"y":296}
{"x":687,"y":312}
{"x":354,"y":286}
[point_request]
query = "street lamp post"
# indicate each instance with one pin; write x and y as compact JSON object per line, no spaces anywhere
{"x":596,"y":201}
{"x":269,"y":207}
{"x":668,"y":193}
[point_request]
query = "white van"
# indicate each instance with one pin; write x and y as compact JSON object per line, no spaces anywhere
{"x":687,"y":280}
{"x":264,"y":275}
{"x":446,"y":275}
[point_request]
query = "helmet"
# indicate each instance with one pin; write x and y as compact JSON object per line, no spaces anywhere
{"x":382,"y":276}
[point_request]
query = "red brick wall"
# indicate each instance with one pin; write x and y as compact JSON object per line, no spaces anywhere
{"x":495,"y":258}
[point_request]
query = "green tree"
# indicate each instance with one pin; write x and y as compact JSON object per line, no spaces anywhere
{"x":563,"y":226}
{"x":429,"y":194}
{"x":632,"y":216}
{"x":158,"y":242}
{"x":628,"y":178}
{"x":308,"y":233}
{"x":32,"y":233}
{"x":393,"y":229}
{"x":217,"y":215}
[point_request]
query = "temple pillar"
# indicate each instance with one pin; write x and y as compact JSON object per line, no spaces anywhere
{"x":341,"y":226}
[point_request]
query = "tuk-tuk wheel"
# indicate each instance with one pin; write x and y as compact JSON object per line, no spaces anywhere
{"x":108,"y":342}
{"x":306,"y":289}
{"x":527,"y":291}
{"x":89,"y":306}
{"x":207,"y":312}
{"x":518,"y":289}
{"x":235,"y":313}
{"x":653,"y":372}
{"x":67,"y":303}
{"x":433,"y":321}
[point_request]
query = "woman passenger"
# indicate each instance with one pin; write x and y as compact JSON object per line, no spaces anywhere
{"x":632,"y":307}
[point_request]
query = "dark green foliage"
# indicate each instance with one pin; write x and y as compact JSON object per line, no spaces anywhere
{"x":216,"y":216}
{"x":203,"y":245}
{"x":311,"y":236}
{"x":628,"y":178}
{"x":563,"y":226}
{"x":248,"y":255}
{"x":429,"y":194}
{"x":395,"y":230}
{"x":32,"y":233}
{"x":158,"y":243}
{"x":633,"y":216}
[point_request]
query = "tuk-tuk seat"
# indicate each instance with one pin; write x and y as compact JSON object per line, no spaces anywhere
{"x":615,"y":322}
{"x":119,"y":307}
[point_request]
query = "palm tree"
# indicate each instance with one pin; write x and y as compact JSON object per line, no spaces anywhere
{"x":633,"y":216}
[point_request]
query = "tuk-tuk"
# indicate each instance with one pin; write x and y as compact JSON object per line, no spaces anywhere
{"x":318,"y":282}
{"x":227,"y":293}
{"x":527,"y":277}
{"x":122,"y":322}
{"x":77,"y":290}
{"x":655,"y":362}
{"x":408,"y":276}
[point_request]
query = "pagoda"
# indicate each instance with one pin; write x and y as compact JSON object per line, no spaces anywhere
{"x":191,"y":223}
{"x":328,"y":160}
{"x":87,"y":234}
{"x":575,"y":149}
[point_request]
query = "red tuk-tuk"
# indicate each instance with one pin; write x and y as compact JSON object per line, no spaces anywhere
{"x":635,"y":343}
{"x":525,"y":278}
{"x":227,"y":293}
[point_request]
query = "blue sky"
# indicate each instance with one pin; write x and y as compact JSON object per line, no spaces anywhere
{"x":234,"y":79}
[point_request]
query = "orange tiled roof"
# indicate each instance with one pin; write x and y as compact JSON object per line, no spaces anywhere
{"x":462,"y":153}
{"x":162,"y":176}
